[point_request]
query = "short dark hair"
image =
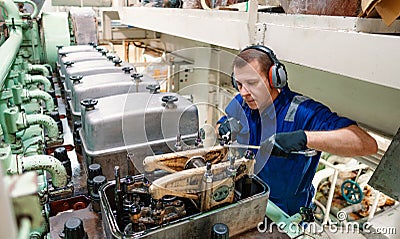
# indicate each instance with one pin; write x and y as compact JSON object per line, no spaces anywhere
{"x":247,"y":56}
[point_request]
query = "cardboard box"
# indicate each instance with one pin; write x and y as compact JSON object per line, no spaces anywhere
{"x":389,"y":10}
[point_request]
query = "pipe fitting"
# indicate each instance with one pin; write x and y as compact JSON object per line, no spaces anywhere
{"x":45,"y":120}
{"x":40,"y":68}
{"x":47,"y":163}
{"x":41,"y":95}
{"x":33,"y":4}
{"x":33,"y":79}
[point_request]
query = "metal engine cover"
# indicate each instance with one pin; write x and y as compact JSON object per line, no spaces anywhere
{"x":87,"y":68}
{"x":97,"y":86}
{"x":139,"y":123}
{"x":76,"y":48}
{"x":82,"y":56}
{"x":84,"y":65}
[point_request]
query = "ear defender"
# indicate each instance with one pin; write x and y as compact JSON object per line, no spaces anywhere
{"x":277,"y":75}
{"x":234,"y":83}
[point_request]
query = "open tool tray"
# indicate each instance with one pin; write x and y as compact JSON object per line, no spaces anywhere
{"x":241,"y":215}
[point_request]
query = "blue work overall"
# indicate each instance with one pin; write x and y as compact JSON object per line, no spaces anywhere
{"x":289,"y":179}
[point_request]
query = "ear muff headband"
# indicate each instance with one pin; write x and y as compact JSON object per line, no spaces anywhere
{"x":234,"y":83}
{"x":277,"y":76}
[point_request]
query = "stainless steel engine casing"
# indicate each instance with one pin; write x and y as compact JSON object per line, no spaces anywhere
{"x":83,"y":65}
{"x":76,"y":48}
{"x":87,"y":68}
{"x":81,"y":56}
{"x":102,"y":85}
{"x":137,"y":123}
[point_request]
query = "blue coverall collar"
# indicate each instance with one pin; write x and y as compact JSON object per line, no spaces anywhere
{"x":278,"y":102}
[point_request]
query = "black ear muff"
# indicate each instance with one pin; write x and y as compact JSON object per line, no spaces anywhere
{"x":233,"y":81}
{"x":277,"y":72}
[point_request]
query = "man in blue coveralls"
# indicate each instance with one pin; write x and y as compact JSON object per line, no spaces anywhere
{"x":267,"y":107}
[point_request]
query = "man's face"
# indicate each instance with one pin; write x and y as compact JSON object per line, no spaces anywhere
{"x":253,"y":85}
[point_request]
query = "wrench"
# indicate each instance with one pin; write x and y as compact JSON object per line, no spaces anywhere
{"x":307,"y":152}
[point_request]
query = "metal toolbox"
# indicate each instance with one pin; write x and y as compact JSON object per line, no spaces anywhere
{"x":97,"y":86}
{"x":139,"y":123}
{"x":240,"y":216}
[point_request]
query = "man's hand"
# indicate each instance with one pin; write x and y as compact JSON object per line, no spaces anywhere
{"x":285,"y":143}
{"x":228,"y":129}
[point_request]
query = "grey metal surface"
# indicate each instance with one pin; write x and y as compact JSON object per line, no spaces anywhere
{"x":90,"y":68}
{"x":83,"y":56}
{"x":76,"y":48}
{"x":136,"y":122}
{"x":97,"y":86}
{"x":387,"y":223}
{"x":117,"y":156}
{"x":240,"y":216}
{"x":85,"y":3}
{"x":84,"y":24}
{"x":78,"y":57}
{"x":83,"y":66}
{"x":144,"y":116}
{"x":385,"y":177}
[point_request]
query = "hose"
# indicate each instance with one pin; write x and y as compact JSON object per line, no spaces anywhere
{"x":49,"y":164}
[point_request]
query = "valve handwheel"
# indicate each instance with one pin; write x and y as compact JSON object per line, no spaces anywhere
{"x":352,"y":191}
{"x":169,"y":99}
{"x":89,"y":103}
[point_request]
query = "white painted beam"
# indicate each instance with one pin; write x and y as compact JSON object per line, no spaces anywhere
{"x":223,"y":28}
{"x":373,"y":58}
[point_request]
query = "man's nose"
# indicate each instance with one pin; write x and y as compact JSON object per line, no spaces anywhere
{"x":243,"y":90}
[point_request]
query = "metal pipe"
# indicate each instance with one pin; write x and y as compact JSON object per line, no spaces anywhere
{"x":41,"y":95}
{"x":48,"y":66}
{"x":47,"y":163}
{"x":330,"y":197}
{"x":112,"y":47}
{"x":40,"y":68}
{"x":39,"y":79}
{"x":33,"y":4}
{"x":24,"y":228}
{"x":374,"y":205}
{"x":11,"y":8}
{"x":8,"y":52}
{"x":9,"y":49}
{"x":45,"y":120}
